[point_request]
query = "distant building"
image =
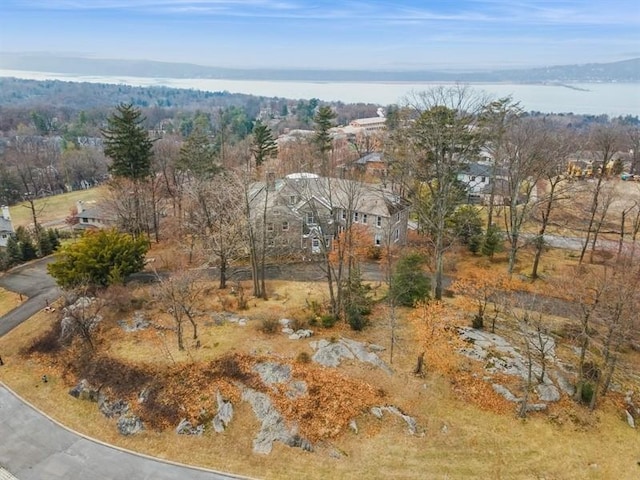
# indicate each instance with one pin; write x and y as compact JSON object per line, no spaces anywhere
{"x":306,"y":213}
{"x":91,"y":216}
{"x":6,"y":226}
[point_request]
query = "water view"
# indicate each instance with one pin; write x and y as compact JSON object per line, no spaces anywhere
{"x":590,"y":98}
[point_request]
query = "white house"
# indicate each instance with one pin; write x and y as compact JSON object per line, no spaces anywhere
{"x":6,"y":226}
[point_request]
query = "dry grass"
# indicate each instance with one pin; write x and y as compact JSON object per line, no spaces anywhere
{"x":569,"y":443}
{"x":9,"y":301}
{"x":52,"y":210}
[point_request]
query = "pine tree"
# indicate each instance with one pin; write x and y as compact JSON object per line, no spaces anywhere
{"x":127,"y":143}
{"x":197,"y":155}
{"x":409,"y":283}
{"x":492,"y":241}
{"x":323,"y":120}
{"x":264,"y":146}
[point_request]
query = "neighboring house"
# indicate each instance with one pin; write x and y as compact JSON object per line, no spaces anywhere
{"x":6,"y":226}
{"x":374,"y":164}
{"x":370,"y":124}
{"x":476,"y":177}
{"x":305,"y":213}
{"x":91,"y":216}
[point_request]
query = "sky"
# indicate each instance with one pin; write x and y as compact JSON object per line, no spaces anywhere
{"x":323,"y":34}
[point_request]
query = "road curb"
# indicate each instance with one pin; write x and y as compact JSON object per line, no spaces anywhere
{"x":121,"y":449}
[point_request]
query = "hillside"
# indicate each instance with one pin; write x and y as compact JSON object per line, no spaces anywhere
{"x":627,"y":71}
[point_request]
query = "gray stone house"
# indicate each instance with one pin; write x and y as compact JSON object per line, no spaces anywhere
{"x":304,"y":213}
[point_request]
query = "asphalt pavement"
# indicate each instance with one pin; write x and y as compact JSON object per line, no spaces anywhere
{"x":34,"y":447}
{"x":32,"y":281}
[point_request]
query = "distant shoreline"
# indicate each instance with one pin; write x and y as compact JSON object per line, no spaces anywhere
{"x":549,"y":97}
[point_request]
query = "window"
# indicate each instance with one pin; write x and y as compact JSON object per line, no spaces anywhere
{"x":364,"y":218}
{"x":269,"y":227}
{"x":377,"y":240}
{"x":396,"y":235}
{"x":310,"y":218}
{"x":483,"y":179}
{"x":378,"y":221}
{"x":272,"y":242}
{"x":344,"y":214}
{"x":473,"y":178}
{"x":85,"y":220}
{"x":285,"y":226}
{"x":292,"y":200}
{"x":355,"y":217}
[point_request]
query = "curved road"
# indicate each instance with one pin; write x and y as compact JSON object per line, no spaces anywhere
{"x":32,"y":281}
{"x":34,"y":447}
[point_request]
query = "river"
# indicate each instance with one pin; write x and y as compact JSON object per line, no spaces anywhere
{"x":585,"y":98}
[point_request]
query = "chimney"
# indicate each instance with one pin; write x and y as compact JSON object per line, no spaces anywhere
{"x":271,"y":181}
{"x":79,"y":206}
{"x":5,"y":213}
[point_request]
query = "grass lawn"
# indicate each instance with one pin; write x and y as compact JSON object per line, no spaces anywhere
{"x":459,"y":439}
{"x":52,"y":209}
{"x":8,"y":301}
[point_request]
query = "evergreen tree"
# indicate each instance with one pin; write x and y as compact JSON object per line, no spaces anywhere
{"x":492,"y":241}
{"x":127,"y":143}
{"x":409,"y":283}
{"x":14,"y":255}
{"x":467,"y":227}
{"x":323,"y":121}
{"x":263,"y":146}
{"x":197,"y":155}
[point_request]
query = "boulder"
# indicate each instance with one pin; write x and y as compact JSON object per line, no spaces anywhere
{"x":287,"y":331}
{"x":84,"y":391}
{"x":271,"y":372}
{"x":137,"y":323}
{"x":186,"y":428}
{"x":330,"y":354}
{"x":565,"y":385}
{"x":112,"y":409}
{"x":285,"y":322}
{"x":630,"y":420}
{"x":504,"y":391}
{"x":273,"y":427}
{"x":129,"y":424}
{"x":536,"y":407}
{"x":353,"y":426}
{"x":225,"y":413}
{"x":548,"y":393}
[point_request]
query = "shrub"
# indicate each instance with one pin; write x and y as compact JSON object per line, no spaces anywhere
{"x":303,"y":357}
{"x":356,"y":317}
{"x":297,"y":324}
{"x":327,"y":320}
{"x":269,"y":326}
{"x":587,"y":392}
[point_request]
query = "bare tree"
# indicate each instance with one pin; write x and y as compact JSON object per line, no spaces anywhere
{"x":216,"y":219}
{"x":555,"y":188}
{"x":604,"y":140}
{"x":526,"y":160}
{"x":180,"y":295}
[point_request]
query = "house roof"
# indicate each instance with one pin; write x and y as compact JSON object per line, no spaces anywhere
{"x":5,"y":225}
{"x":371,"y":158}
{"x":330,"y":192}
{"x":477,"y":170}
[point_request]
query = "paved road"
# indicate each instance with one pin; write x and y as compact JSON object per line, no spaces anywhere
{"x":32,"y":281}
{"x":33,"y":447}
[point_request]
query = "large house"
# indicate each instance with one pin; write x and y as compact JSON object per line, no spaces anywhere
{"x":305,"y":213}
{"x":6,"y":226}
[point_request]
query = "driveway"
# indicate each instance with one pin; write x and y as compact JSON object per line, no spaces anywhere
{"x":33,"y":447}
{"x":32,"y":281}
